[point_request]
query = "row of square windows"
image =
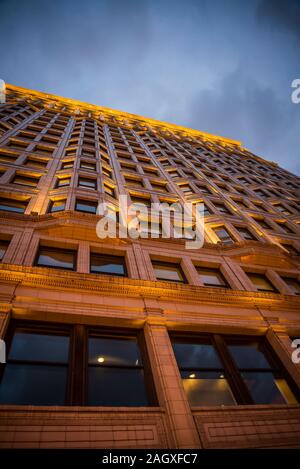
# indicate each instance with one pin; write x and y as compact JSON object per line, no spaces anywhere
{"x":107,"y":264}
{"x":56,"y":365}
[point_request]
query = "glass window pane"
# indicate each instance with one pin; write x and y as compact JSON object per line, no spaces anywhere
{"x":58,"y":205}
{"x":266,"y":389}
{"x":261,"y":282}
{"x":33,"y":385}
{"x":8,"y":205}
{"x":86,"y":206}
{"x":168,"y":272}
{"x":189,"y":355}
{"x":114,"y":351}
{"x":112,"y":265}
{"x":41,"y":347}
{"x":116,"y":387}
{"x":249,"y":356}
{"x":61,"y":259}
{"x":207,"y":389}
{"x":3,"y":247}
{"x":211,"y":277}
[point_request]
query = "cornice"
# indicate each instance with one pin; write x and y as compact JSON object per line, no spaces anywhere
{"x":39,"y":277}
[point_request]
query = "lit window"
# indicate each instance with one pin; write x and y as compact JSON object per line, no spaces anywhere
{"x":109,"y":190}
{"x":56,"y":258}
{"x":116,"y":375}
{"x":57,"y":205}
{"x":212,"y":277}
{"x":9,"y":205}
{"x":88,"y":206}
{"x":261,"y":282}
{"x":67,"y":164}
{"x":202,"y":373}
{"x":168,"y":271}
{"x":108,"y":264}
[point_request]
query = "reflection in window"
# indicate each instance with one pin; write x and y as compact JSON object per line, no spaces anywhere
{"x":11,"y":205}
{"x":263,"y":379}
{"x":261,"y":282}
{"x":56,"y":258}
{"x":3,"y":247}
{"x":89,"y":206}
{"x":212,"y":277}
{"x":108,"y":264}
{"x":168,"y":271}
{"x":293,"y":283}
{"x":223,"y":235}
{"x":36,"y":369}
{"x":57,"y":205}
{"x":115,"y":372}
{"x":203,"y":375}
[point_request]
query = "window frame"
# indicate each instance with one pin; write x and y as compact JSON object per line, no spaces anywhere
{"x":55,"y":249}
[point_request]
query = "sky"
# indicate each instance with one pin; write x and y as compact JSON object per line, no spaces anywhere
{"x":220,"y":66}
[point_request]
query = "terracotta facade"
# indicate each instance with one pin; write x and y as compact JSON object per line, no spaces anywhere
{"x":126,"y":154}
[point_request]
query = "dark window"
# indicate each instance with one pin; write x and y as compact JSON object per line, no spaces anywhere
{"x":282,"y":209}
{"x":108,"y":264}
{"x":223,"y":235}
{"x":290,"y":248}
{"x":89,"y":206}
{"x":262,"y":223}
{"x":97,"y":367}
{"x":25,"y":181}
{"x":3,"y":247}
{"x":168,"y":271}
{"x":57,"y":205}
{"x":109,"y":190}
{"x":116,"y":374}
{"x":261,"y":282}
{"x":186,"y":189}
{"x":87,"y":183}
{"x":212,"y":277}
{"x":222,"y":208}
{"x":35,"y":163}
{"x":36,"y":368}
{"x":285,"y":227}
{"x":263,"y":377}
{"x":159,"y":187}
{"x":245,"y":233}
{"x":141,"y":200}
{"x":206,"y":210}
{"x":56,"y":258}
{"x":134,"y":182}
{"x":9,"y":205}
{"x":293,"y":284}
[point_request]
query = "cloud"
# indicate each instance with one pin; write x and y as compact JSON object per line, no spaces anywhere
{"x":282,"y":14}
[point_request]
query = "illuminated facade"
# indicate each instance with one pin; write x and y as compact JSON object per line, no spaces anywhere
{"x":141,"y":343}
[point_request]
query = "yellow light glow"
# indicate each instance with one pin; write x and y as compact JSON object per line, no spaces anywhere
{"x":192,"y":375}
{"x":100,"y":359}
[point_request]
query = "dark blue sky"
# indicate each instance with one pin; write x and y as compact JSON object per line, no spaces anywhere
{"x":222,"y":66}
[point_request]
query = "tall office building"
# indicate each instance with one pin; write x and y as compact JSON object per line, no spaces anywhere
{"x":141,"y":342}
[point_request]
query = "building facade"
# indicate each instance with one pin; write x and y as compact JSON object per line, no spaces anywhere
{"x":142,"y":343}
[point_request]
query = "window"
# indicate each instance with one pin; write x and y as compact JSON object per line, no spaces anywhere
{"x":3,"y":247}
{"x":67,"y":164}
{"x":109,"y":190}
{"x":262,"y":223}
{"x":45,"y":367}
{"x":222,"y":208}
{"x":88,"y":166}
{"x":63,"y":182}
{"x":223,"y":235}
{"x":220,"y":370}
{"x":108,"y":264}
{"x":282,"y":209}
{"x":262,"y":375}
{"x":245,"y":233}
{"x":285,"y":227}
{"x":202,"y":372}
{"x":87,"y":183}
{"x":293,"y":284}
{"x":25,"y":180}
{"x":56,"y":258}
{"x":35,"y":162}
{"x":36,"y":368}
{"x":186,"y":189}
{"x":88,"y":206}
{"x":212,"y":277}
{"x":206,"y":210}
{"x":141,"y":200}
{"x":116,"y":375}
{"x":9,"y":205}
{"x":57,"y":205}
{"x":261,"y":282}
{"x":159,"y":187}
{"x":168,"y":271}
{"x":290,"y":248}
